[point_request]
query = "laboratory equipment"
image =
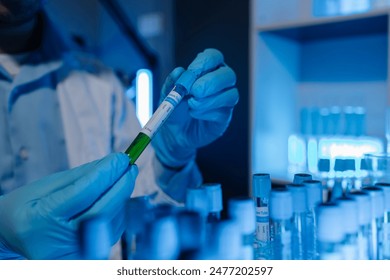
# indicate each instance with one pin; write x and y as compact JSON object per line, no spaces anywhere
{"x":223,"y":244}
{"x":300,"y":177}
{"x":299,"y":226}
{"x":386,"y":219}
{"x":377,"y":212}
{"x":95,"y":238}
{"x":364,"y":220}
{"x":330,"y":231}
{"x":281,"y":224}
{"x":160,"y":240}
{"x":214,"y":201}
{"x":204,"y":62}
{"x":137,"y":214}
{"x":378,"y":167}
{"x":192,"y":233}
{"x":196,"y":200}
{"x":261,"y":192}
{"x":242,"y":212}
{"x":350,"y":249}
{"x":314,"y":198}
{"x":158,"y":118}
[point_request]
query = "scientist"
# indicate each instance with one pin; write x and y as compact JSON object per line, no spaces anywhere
{"x":64,"y":119}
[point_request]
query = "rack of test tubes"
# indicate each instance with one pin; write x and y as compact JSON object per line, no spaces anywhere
{"x":302,"y":220}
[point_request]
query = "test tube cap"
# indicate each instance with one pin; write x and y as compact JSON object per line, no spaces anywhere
{"x":261,"y":185}
{"x":349,"y":211}
{"x":214,"y":196}
{"x":363,"y":206}
{"x":314,"y":192}
{"x":160,"y":240}
{"x":377,"y":200}
{"x":299,"y":194}
{"x":225,"y":242}
{"x":300,"y":177}
{"x":330,"y":223}
{"x":386,"y":191}
{"x":196,"y":200}
{"x":242,"y":210}
{"x":281,"y":204}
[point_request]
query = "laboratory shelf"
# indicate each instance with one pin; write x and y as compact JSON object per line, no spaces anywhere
{"x":298,"y":60}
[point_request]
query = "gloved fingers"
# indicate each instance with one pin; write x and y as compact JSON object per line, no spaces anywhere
{"x":204,"y":62}
{"x":199,"y":106}
{"x":83,"y":192}
{"x":59,"y":180}
{"x":170,"y":81}
{"x":114,"y":199}
{"x":213,"y":82}
{"x":220,"y":115}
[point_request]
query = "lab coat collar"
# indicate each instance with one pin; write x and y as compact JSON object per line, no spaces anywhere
{"x":50,"y":61}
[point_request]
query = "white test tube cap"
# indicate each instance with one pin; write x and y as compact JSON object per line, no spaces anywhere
{"x":196,"y":200}
{"x":349,"y":211}
{"x":225,"y":242}
{"x":242,"y":211}
{"x":363,"y":206}
{"x":314,"y":192}
{"x":214,"y":196}
{"x":261,"y":185}
{"x":160,"y":240}
{"x":386,"y":191}
{"x":300,"y":177}
{"x":377,"y":200}
{"x":281,"y":204}
{"x":299,"y":194}
{"x":330,"y":223}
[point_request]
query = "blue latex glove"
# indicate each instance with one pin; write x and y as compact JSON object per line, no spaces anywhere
{"x":203,"y":115}
{"x":40,"y":220}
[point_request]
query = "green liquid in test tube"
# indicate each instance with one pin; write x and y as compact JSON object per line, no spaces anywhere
{"x":156,"y":121}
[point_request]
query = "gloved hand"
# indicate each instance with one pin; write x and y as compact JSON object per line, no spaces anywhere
{"x":40,"y":220}
{"x":203,"y":115}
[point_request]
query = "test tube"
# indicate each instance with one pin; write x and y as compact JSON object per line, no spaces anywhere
{"x":196,"y":200}
{"x":386,"y":219}
{"x":364,"y":219}
{"x":160,"y":240}
{"x":223,"y":244}
{"x":214,"y":201}
{"x":314,"y":198}
{"x":330,"y":231}
{"x":349,"y":213}
{"x":242,"y":211}
{"x":164,"y":110}
{"x":191,"y":233}
{"x":299,"y":230}
{"x":281,"y":227}
{"x":377,"y":211}
{"x":137,"y":215}
{"x":300,"y":177}
{"x":261,"y":192}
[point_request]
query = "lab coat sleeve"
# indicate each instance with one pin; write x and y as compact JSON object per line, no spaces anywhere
{"x":163,"y":184}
